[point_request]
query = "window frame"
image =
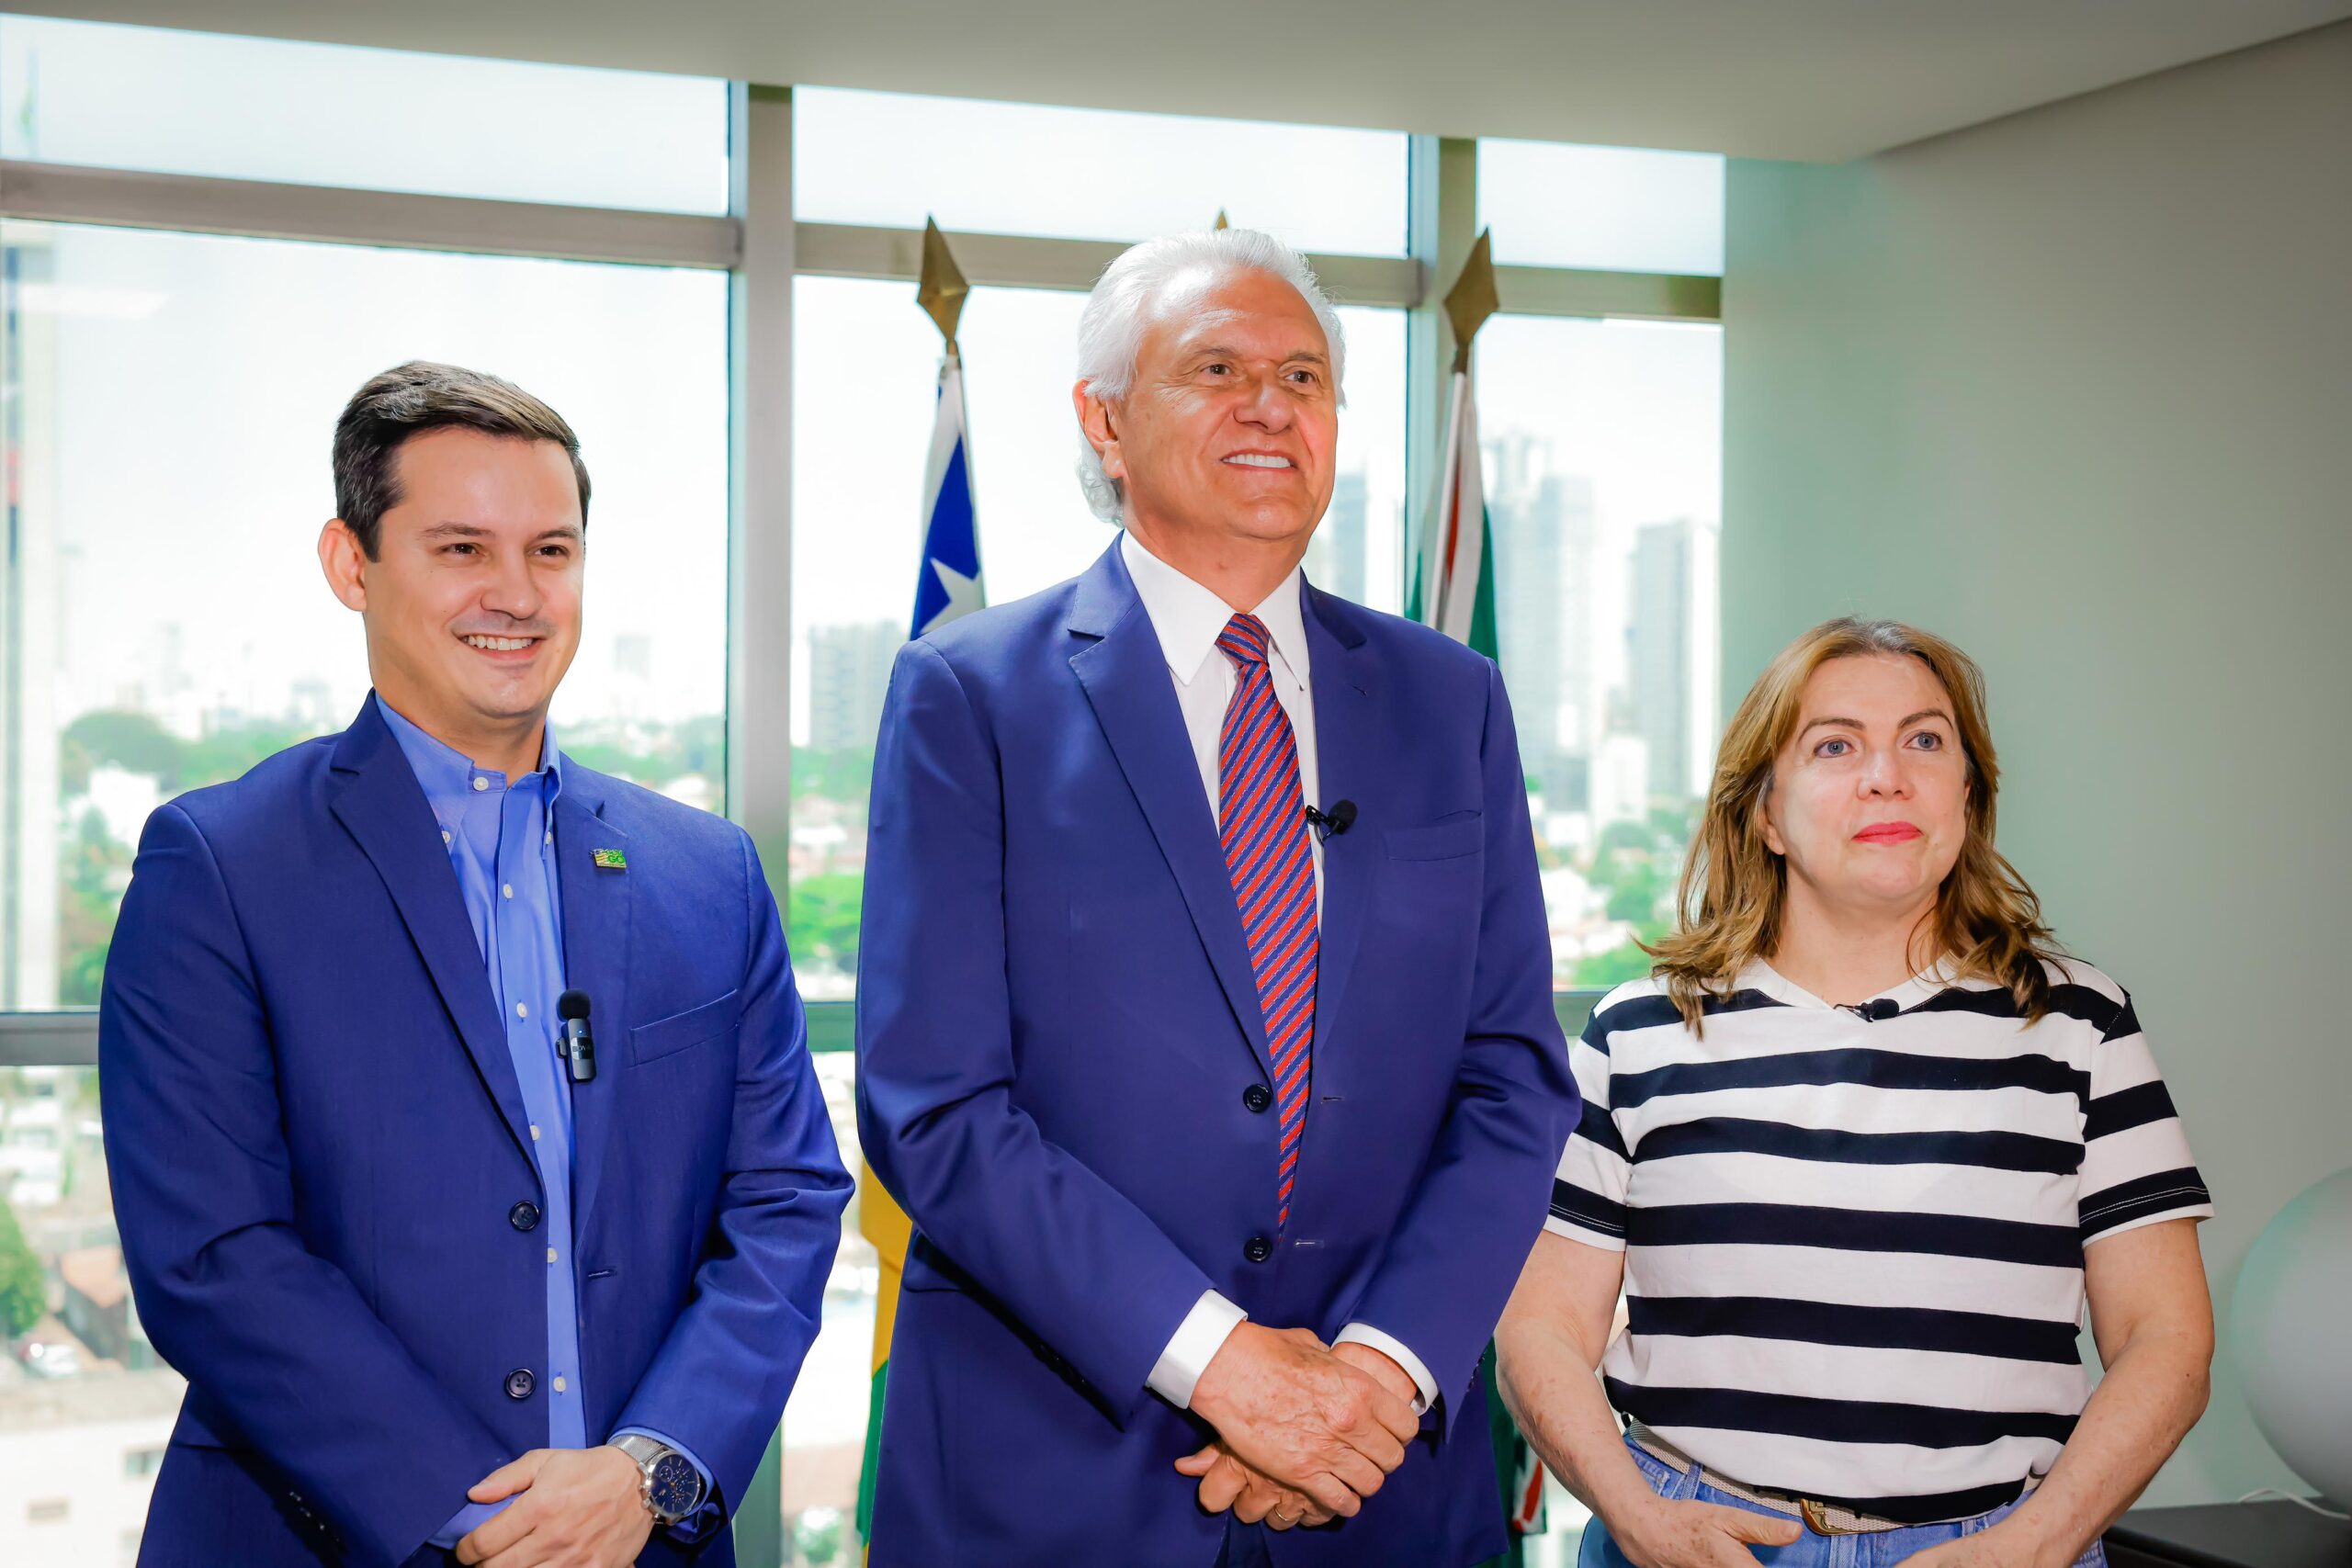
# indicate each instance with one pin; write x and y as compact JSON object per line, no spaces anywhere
{"x":762,"y":247}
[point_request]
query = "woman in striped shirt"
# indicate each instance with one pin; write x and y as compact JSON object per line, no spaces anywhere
{"x":1856,"y":1154}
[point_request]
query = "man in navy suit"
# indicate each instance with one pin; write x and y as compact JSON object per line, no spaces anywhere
{"x":1205,"y":1007}
{"x":443,"y":1282}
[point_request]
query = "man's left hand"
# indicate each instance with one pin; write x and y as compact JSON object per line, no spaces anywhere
{"x":574,"y":1508}
{"x":1380,"y":1369}
{"x":1227,"y":1483}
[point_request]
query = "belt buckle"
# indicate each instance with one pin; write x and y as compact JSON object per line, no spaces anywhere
{"x":1817,"y":1519}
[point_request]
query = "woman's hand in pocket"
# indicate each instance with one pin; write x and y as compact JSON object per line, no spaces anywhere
{"x":1669,"y":1534}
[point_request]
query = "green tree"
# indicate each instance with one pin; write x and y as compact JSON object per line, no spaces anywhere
{"x":831,"y":775}
{"x":817,"y":1537}
{"x":655,"y":756}
{"x":1639,"y":889}
{"x":230,"y":752}
{"x":95,"y":870}
{"x":1614,"y":967}
{"x":24,"y":1294}
{"x":135,"y":742}
{"x":1624,"y":838}
{"x":823,"y":916}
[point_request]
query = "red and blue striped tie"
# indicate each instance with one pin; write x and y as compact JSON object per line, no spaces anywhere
{"x":1266,"y":852}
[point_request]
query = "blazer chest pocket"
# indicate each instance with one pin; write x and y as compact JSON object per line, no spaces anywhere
{"x":683,"y":1031}
{"x":1449,"y":839}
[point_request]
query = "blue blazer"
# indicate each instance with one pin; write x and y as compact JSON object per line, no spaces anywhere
{"x":315,"y":1135}
{"x":1057,"y":1027}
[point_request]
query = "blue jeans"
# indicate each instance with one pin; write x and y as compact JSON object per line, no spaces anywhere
{"x":1882,"y":1548}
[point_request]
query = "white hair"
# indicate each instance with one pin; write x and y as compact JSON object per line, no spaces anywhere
{"x":1125,"y":301}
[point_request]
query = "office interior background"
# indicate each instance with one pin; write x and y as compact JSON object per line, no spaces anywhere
{"x":2021,"y":322}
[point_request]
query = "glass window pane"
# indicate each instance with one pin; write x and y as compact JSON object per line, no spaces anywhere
{"x":161,"y":100}
{"x":824,"y":1423}
{"x":866,"y":373}
{"x":1615,"y":208}
{"x":887,"y":159}
{"x":84,"y":1404}
{"x":1603,"y":472}
{"x":171,"y":402}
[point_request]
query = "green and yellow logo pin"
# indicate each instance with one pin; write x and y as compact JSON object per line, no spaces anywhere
{"x":610,"y":860}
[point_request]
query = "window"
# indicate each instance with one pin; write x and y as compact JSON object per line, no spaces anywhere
{"x":174,"y":627}
{"x":156,"y":100}
{"x":884,"y":158}
{"x":165,"y":405}
{"x":86,"y":1407}
{"x":1602,"y":446}
{"x":1615,"y":208}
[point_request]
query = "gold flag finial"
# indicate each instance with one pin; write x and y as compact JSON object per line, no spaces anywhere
{"x":1222,"y":220}
{"x":942,"y":290}
{"x":1471,"y":300}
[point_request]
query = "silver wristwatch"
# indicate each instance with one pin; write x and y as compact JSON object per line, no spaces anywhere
{"x":670,"y":1486}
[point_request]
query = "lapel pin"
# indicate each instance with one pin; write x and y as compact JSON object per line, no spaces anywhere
{"x":610,"y":860}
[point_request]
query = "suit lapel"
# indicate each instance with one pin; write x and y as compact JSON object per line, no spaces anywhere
{"x":383,"y":808}
{"x":597,"y":908}
{"x":1124,"y":675}
{"x":1342,"y":688}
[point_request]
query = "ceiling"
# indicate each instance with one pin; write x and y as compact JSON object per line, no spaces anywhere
{"x":1814,"y":80}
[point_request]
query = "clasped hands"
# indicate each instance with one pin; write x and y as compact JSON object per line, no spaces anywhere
{"x":1305,"y":1432}
{"x":573,"y":1509}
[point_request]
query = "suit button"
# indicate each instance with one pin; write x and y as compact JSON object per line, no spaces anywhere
{"x":519,"y":1383}
{"x":524,"y":1216}
{"x":1257,"y":1250}
{"x":1257,"y":1097}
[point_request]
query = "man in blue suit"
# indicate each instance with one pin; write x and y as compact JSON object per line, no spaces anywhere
{"x":1204,"y":1012}
{"x":443,"y":1283}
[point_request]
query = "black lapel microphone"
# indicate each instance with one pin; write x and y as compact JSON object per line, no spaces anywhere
{"x":1873,"y":1012}
{"x":1338,"y":819}
{"x":579,"y":1045}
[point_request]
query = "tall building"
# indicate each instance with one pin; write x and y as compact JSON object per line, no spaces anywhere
{"x":1670,"y":653}
{"x":849,"y":674}
{"x":31,"y":604}
{"x":1544,"y":570}
{"x":1338,"y":556}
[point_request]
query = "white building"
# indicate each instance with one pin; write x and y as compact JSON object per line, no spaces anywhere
{"x":78,"y":1458}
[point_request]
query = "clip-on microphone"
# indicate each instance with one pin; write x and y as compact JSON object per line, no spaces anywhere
{"x":579,"y":1047}
{"x":1338,"y":819}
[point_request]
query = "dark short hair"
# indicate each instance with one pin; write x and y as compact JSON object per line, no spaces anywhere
{"x":406,"y":401}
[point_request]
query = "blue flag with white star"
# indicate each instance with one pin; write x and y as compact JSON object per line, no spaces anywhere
{"x":949,"y":583}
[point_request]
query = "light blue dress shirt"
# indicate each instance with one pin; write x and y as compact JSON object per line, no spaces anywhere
{"x":501,"y":839}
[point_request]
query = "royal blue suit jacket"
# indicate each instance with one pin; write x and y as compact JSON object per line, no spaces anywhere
{"x":316,"y":1140}
{"x":1057,"y":1027}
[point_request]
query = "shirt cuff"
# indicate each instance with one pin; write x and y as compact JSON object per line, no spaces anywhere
{"x":466,"y":1520}
{"x":697,"y":1524}
{"x":1201,"y":1334}
{"x":1390,"y":1346}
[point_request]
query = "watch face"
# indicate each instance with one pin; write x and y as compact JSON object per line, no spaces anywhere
{"x":676,"y":1488}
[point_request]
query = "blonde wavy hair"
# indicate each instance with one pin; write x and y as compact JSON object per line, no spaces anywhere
{"x":1986,"y":923}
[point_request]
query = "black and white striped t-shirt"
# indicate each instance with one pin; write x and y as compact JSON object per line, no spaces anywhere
{"x":1854,"y":1245}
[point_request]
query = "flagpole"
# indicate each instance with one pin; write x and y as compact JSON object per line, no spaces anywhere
{"x":1453,"y":592}
{"x":947,"y":585}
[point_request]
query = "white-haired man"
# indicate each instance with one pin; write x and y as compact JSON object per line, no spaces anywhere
{"x":1205,"y":1020}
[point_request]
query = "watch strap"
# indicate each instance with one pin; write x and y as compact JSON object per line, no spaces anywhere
{"x":647,"y":1452}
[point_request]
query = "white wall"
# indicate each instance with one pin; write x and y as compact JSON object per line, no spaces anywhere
{"x":2075,"y":387}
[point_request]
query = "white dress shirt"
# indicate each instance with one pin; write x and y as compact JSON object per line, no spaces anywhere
{"x":1188,"y":619}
